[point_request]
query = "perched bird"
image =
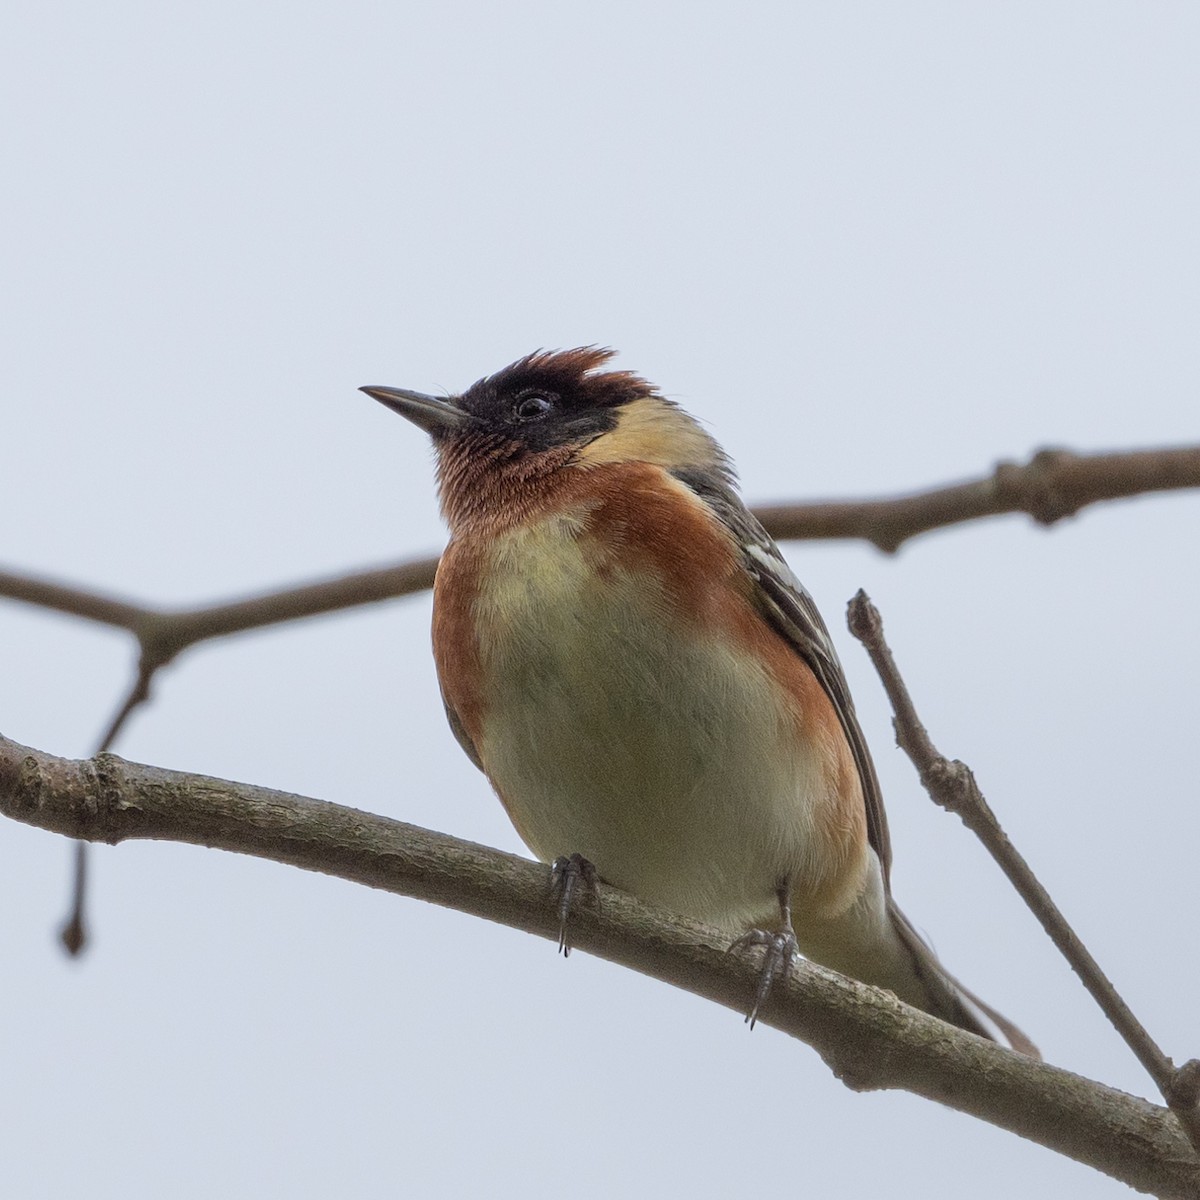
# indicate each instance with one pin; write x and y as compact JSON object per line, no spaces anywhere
{"x":624,"y":653}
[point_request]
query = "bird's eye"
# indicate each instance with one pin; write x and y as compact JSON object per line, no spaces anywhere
{"x":533,"y":405}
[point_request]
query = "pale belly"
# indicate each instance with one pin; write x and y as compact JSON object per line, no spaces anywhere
{"x":660,"y":754}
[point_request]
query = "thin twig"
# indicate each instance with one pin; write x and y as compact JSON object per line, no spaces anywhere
{"x":951,"y":784}
{"x":868,"y":1037}
{"x":139,"y":693}
{"x":74,"y":933}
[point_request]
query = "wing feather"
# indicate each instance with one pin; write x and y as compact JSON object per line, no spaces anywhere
{"x":786,"y":603}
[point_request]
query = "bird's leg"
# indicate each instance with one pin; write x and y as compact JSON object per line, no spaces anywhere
{"x":782,"y":949}
{"x":569,"y":876}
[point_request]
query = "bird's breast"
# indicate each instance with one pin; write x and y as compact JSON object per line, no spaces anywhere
{"x":617,"y":724}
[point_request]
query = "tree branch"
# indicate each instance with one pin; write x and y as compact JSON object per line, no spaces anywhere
{"x":73,"y":933}
{"x":164,"y":633}
{"x":1054,"y":484}
{"x":868,"y":1037}
{"x":952,"y":786}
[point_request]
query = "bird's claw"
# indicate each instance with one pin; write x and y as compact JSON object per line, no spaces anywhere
{"x":569,"y":876}
{"x":782,"y":951}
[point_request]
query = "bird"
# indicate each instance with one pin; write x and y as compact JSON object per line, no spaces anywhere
{"x":652,"y":694}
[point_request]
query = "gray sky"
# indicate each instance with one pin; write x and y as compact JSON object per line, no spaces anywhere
{"x":874,"y":246}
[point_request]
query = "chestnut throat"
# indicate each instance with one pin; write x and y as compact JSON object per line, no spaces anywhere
{"x":488,"y":483}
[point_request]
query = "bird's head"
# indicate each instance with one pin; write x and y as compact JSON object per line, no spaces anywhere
{"x":550,"y":412}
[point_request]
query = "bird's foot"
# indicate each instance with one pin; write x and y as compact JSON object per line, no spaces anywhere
{"x":782,"y":951}
{"x":573,"y":878}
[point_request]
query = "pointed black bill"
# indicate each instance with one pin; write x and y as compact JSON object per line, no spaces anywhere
{"x":431,"y":413}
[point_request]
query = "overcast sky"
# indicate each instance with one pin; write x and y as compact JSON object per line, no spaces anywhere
{"x":874,"y":247}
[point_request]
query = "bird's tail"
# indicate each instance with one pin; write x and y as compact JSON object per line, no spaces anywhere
{"x":872,"y":940}
{"x":945,"y":997}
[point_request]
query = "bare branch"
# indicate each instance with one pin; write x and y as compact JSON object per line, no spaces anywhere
{"x":179,"y":630}
{"x":139,"y":694}
{"x":1054,"y":484}
{"x":75,"y":601}
{"x":952,"y":786}
{"x":73,"y":933}
{"x":164,"y":634}
{"x":867,"y":1036}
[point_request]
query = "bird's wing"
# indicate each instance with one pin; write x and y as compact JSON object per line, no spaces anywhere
{"x":792,"y":611}
{"x":460,"y":732}
{"x":786,"y":603}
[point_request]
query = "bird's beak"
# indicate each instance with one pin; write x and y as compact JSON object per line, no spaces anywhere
{"x":433,"y":414}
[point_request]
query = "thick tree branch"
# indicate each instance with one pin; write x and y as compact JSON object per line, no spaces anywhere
{"x":868,"y":1038}
{"x":952,"y":786}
